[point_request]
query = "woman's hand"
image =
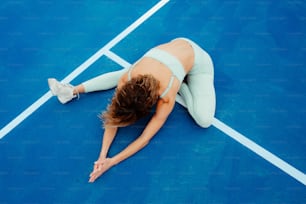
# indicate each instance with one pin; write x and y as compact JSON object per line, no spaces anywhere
{"x":100,"y":166}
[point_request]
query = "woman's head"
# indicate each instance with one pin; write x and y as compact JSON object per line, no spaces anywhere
{"x":132,"y":101}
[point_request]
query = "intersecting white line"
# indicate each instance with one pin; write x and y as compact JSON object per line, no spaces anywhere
{"x":122,"y":62}
{"x":265,"y":154}
{"x":32,"y":108}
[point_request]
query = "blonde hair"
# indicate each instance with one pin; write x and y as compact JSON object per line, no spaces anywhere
{"x":132,"y":101}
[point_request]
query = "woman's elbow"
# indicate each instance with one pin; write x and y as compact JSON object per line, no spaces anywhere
{"x":145,"y":142}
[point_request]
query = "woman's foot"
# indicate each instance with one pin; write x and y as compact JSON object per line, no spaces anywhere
{"x":64,"y":92}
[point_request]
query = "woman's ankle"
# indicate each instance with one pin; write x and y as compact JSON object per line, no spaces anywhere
{"x":78,"y":89}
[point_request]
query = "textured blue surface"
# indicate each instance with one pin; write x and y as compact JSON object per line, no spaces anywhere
{"x":258,"y":49}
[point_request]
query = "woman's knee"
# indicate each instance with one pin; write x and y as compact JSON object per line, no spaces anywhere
{"x":203,"y":120}
{"x":203,"y":112}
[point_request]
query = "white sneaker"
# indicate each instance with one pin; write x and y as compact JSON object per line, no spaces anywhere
{"x":64,"y":92}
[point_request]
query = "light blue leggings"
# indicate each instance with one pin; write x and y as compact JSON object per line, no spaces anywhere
{"x":197,"y":95}
{"x":199,"y":92}
{"x":104,"y":81}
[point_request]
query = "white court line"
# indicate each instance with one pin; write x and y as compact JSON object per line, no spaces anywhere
{"x":276,"y":161}
{"x":114,"y":41}
{"x":122,"y":62}
{"x":26,"y":113}
{"x":265,"y":154}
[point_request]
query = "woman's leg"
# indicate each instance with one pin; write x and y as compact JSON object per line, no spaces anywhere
{"x":199,"y":92}
{"x":66,"y":92}
{"x":200,"y":99}
{"x":102,"y":82}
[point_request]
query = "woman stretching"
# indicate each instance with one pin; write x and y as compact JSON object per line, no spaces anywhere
{"x":179,"y":68}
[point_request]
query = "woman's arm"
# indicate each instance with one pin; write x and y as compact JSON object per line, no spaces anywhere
{"x":108,"y":137}
{"x":162,"y":112}
{"x":159,"y":118}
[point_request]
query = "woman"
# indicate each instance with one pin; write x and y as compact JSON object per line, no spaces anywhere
{"x":177,"y":67}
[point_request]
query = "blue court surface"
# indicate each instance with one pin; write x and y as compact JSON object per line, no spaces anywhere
{"x":255,"y":151}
